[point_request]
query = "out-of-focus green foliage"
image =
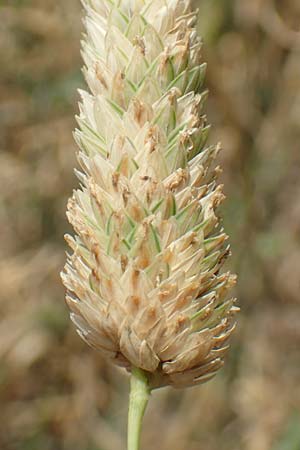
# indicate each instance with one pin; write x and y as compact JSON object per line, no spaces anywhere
{"x":291,"y":437}
{"x":57,"y":394}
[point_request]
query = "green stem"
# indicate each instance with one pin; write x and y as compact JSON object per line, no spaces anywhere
{"x":138,"y":399}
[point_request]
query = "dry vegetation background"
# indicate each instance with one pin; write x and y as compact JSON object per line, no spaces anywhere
{"x":56,"y":393}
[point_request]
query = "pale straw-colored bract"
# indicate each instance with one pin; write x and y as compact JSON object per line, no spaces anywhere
{"x":143,"y":283}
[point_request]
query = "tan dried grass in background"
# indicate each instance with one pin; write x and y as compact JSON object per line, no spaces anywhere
{"x":54,"y":392}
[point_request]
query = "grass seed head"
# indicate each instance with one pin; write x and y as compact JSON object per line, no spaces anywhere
{"x":143,"y":283}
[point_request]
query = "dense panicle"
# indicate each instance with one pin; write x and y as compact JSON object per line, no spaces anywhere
{"x":143,"y":282}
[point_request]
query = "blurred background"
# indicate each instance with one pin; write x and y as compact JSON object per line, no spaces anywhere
{"x":55,"y":392}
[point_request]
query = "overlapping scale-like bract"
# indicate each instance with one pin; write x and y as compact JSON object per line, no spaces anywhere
{"x":143,"y":282}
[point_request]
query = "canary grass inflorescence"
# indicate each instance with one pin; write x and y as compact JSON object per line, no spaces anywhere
{"x":143,"y":282}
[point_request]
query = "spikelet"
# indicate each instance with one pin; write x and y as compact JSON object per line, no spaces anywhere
{"x":143,"y":282}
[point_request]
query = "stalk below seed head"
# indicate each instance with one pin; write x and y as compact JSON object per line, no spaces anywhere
{"x":143,"y":283}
